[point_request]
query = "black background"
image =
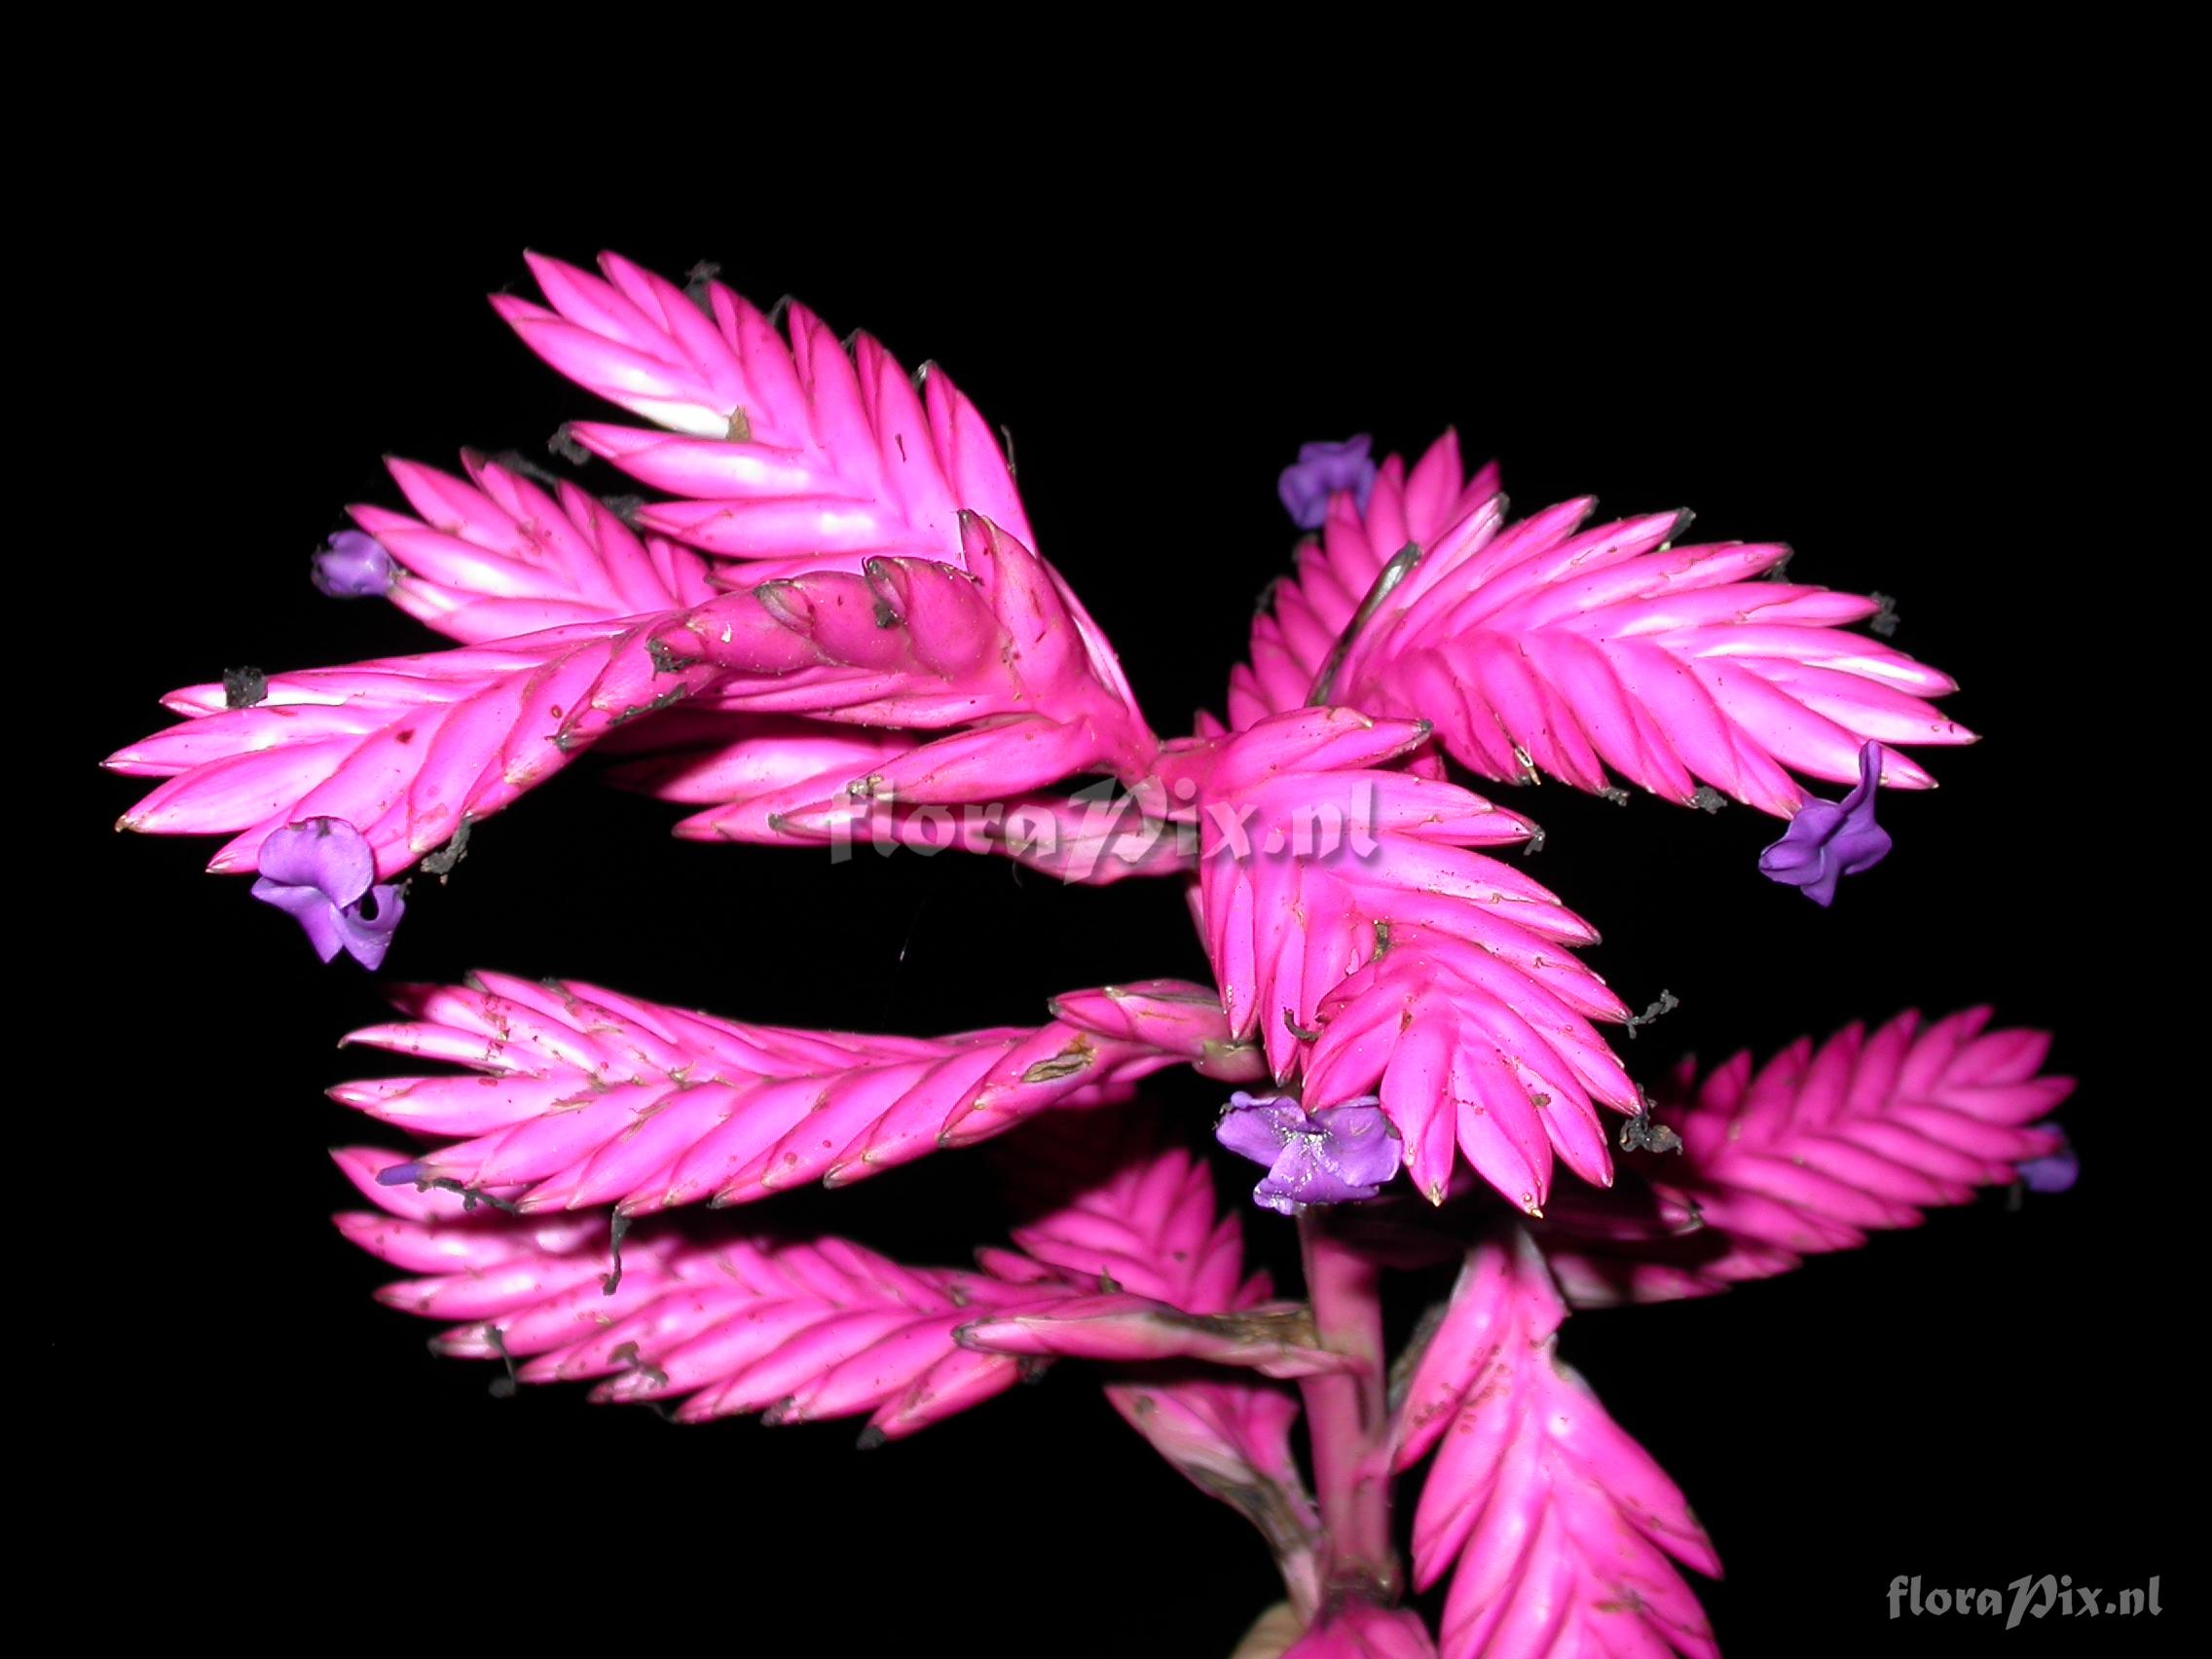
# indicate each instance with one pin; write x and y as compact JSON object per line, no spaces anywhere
{"x":1905,"y":383}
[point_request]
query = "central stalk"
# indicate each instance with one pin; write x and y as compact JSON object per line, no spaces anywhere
{"x":1347,"y":1417}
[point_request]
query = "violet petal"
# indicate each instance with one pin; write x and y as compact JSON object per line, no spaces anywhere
{"x":310,"y":908}
{"x":1305,"y":1174}
{"x":1320,"y":471}
{"x":2056,"y":1171}
{"x":1360,"y":1145}
{"x":354,"y":565}
{"x":369,"y":936}
{"x":1257,"y":1127}
{"x":320,"y":873}
{"x":325,"y":853}
{"x":1338,"y":1155}
{"x":1827,"y":840}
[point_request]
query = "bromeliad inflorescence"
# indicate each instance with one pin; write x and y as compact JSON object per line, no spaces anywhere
{"x":828,"y":618}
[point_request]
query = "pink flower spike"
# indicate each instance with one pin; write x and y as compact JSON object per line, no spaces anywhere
{"x":792,"y":450}
{"x":821,"y":1328}
{"x":721,"y":1322}
{"x":604,"y":1099}
{"x":821,"y":440}
{"x":408,"y":748}
{"x":827,"y":621}
{"x":404,"y":748}
{"x":496,"y":555}
{"x":1361,"y":944}
{"x":1555,"y":1527}
{"x":1809,"y":1153}
{"x":1541,"y":647}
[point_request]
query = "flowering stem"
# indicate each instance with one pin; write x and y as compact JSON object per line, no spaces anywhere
{"x":1347,"y":1417}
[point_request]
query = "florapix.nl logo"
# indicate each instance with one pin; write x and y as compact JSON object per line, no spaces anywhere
{"x":1074,"y":836}
{"x":2024,"y":1598}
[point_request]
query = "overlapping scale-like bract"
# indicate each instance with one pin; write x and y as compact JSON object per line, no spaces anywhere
{"x":944,"y":623}
{"x":1545,"y":647}
{"x":558,"y":604}
{"x":584,"y":1097}
{"x":1147,"y":1222}
{"x":723,"y":1322}
{"x":788,"y":442}
{"x":795,"y":455}
{"x":1357,"y":937}
{"x":804,"y":1329}
{"x":1557,"y":1527}
{"x":498,"y":555}
{"x":404,"y":748}
{"x":1809,"y":1153}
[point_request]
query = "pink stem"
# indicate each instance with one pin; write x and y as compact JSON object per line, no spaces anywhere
{"x":1347,"y":1417}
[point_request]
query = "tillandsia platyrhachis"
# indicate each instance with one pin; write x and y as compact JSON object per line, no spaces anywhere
{"x":827,"y":623}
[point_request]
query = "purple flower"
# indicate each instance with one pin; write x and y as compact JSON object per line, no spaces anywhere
{"x":1330,"y":1157}
{"x":1828,"y":839}
{"x":1322,"y":470}
{"x":2054,"y":1171}
{"x":354,"y":565}
{"x":322,"y":873}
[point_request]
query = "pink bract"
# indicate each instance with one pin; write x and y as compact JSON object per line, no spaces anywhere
{"x":831,"y":622}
